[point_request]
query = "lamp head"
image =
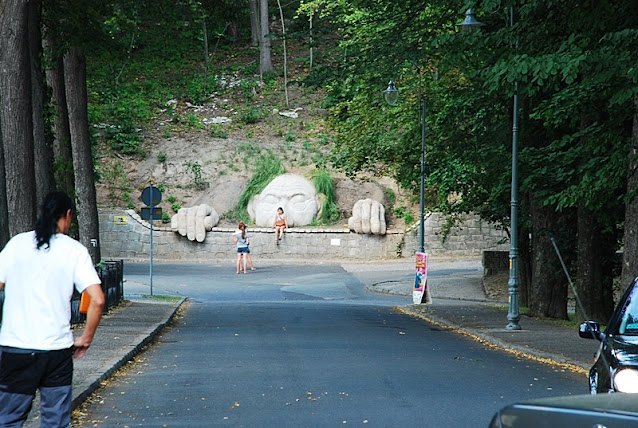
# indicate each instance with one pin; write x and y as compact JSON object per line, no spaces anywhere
{"x":391,"y":94}
{"x":470,"y":23}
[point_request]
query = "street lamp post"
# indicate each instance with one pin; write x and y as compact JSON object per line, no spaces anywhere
{"x":391,"y":96}
{"x":513,"y":314}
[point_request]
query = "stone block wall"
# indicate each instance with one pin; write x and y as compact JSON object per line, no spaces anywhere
{"x":495,"y":262}
{"x":130,"y":239}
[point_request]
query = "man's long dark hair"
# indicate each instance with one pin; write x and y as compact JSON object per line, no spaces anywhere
{"x":54,"y":206}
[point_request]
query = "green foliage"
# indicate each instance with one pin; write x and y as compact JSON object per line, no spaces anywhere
{"x":175,"y":206}
{"x":218,"y":131}
{"x":166,"y":218}
{"x":408,"y":218}
{"x":250,"y":115}
{"x":267,"y":167}
{"x":161,"y":157}
{"x":290,"y":137}
{"x":195,"y":169}
{"x":389,"y":193}
{"x":192,"y":121}
{"x":324,"y":184}
{"x":117,"y":182}
{"x":123,"y":138}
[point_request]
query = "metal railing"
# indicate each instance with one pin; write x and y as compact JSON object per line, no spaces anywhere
{"x":111,"y":274}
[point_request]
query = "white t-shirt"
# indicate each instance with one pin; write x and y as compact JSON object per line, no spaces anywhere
{"x":38,"y":286}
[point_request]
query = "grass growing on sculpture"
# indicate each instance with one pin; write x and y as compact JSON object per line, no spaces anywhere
{"x":324,"y":184}
{"x":267,"y":167}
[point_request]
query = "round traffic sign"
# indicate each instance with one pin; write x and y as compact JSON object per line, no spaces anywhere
{"x":151,"y":196}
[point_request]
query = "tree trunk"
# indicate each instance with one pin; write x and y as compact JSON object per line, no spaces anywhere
{"x":206,"y":54}
{"x":524,"y":267}
{"x":76,"y":97}
{"x":4,"y":215}
{"x":232,"y":29}
{"x":254,"y":22}
{"x":265,"y":62}
{"x":630,"y":238}
{"x":283,"y":30}
{"x":43,"y":158}
{"x":15,"y":116}
{"x":62,"y":153}
{"x":548,"y":293}
{"x":594,"y":288}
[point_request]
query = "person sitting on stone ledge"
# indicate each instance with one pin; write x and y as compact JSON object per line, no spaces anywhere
{"x":280,"y":224}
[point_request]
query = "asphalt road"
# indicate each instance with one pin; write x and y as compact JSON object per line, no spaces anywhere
{"x":309,"y":347}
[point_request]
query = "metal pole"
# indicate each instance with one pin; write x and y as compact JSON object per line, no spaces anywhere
{"x":513,"y":315}
{"x":151,"y":256}
{"x":422,"y":196}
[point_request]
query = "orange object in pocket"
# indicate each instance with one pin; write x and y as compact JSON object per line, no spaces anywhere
{"x":85,"y":299}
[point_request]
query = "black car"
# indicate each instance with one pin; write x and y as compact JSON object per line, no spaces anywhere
{"x":616,"y":366}
{"x":600,"y":411}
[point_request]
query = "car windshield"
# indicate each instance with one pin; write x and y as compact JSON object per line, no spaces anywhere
{"x":629,"y":314}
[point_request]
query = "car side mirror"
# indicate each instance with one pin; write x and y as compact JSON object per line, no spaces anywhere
{"x":590,"y":330}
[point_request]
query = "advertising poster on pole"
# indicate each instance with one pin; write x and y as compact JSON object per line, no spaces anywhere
{"x":421,"y":293}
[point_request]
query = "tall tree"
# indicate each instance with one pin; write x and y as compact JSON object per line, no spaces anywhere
{"x":265,"y":61}
{"x":16,"y":115}
{"x":630,"y":240}
{"x":86,"y":200}
{"x":255,"y":31}
{"x":42,"y":151}
{"x":62,"y":152}
{"x":4,"y":215}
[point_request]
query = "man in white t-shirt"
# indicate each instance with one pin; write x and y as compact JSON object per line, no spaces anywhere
{"x":38,"y":272}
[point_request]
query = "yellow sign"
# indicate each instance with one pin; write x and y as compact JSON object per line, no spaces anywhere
{"x":119,"y":219}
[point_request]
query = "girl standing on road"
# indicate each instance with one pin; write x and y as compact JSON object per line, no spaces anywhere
{"x":281,"y":223}
{"x":242,"y":241}
{"x":247,"y":255}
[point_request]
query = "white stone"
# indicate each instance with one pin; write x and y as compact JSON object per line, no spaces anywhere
{"x":294,"y":193}
{"x":368,"y":217}
{"x":194,"y":222}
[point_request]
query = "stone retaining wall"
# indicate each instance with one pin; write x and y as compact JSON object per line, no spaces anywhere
{"x":495,"y":262}
{"x":123,"y":234}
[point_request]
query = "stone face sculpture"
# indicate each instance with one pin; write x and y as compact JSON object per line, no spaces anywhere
{"x":195,"y":221}
{"x":295,"y":194}
{"x":368,"y":216}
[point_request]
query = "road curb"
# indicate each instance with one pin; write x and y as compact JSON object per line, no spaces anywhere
{"x":489,"y":340}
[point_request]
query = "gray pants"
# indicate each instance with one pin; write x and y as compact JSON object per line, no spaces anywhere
{"x":22,"y":373}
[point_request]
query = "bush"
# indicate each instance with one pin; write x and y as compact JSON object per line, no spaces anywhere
{"x":325,"y":184}
{"x":250,"y":115}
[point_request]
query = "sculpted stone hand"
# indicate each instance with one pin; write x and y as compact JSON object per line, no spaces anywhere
{"x":194,"y":222}
{"x":296,"y":195}
{"x":368,"y":216}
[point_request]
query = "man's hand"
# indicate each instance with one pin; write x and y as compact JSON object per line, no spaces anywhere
{"x":80,"y":346}
{"x":93,"y":315}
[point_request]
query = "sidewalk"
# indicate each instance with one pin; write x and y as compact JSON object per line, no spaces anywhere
{"x":458,"y":304}
{"x":121,"y":335}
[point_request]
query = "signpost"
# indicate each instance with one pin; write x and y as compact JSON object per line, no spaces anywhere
{"x":151,"y":196}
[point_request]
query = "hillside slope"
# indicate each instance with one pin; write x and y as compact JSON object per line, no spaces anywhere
{"x":207,"y":153}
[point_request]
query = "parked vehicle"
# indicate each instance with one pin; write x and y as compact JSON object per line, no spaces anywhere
{"x":615,"y":368}
{"x":603,"y":410}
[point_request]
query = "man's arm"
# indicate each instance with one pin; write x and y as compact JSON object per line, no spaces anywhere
{"x":1,"y":285}
{"x":93,"y":315}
